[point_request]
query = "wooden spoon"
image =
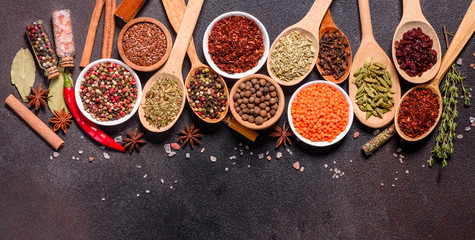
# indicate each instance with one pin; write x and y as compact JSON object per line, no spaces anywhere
{"x":370,"y":48}
{"x":175,"y":10}
{"x":329,"y":25}
{"x":172,"y":69}
{"x":412,"y":17}
{"x":463,"y":34}
{"x":308,"y":26}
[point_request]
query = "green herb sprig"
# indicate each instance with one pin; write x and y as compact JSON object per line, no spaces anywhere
{"x":444,"y":142}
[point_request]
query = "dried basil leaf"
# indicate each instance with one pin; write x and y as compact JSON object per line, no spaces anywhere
{"x":23,"y":72}
{"x":56,"y":93}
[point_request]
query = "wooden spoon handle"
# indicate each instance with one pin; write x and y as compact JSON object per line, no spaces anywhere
{"x":463,"y":34}
{"x":175,"y":61}
{"x":411,"y":10}
{"x":365,"y":19}
{"x":315,"y":16}
{"x":327,"y":20}
{"x":175,"y":10}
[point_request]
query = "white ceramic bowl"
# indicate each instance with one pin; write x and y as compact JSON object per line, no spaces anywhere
{"x":261,"y":61}
{"x":81,"y":106}
{"x":342,"y":134}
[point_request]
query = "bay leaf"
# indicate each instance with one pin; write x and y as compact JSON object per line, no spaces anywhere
{"x":56,"y":91}
{"x":23,"y":72}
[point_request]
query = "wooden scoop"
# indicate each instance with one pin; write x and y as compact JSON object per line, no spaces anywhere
{"x":329,"y":25}
{"x":175,"y":10}
{"x":370,"y":48}
{"x":463,"y":34}
{"x":308,"y":26}
{"x":412,"y":17}
{"x":172,"y":69}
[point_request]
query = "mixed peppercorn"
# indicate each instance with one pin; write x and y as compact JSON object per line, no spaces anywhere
{"x":206,"y":94}
{"x":108,"y":91}
{"x":41,"y":46}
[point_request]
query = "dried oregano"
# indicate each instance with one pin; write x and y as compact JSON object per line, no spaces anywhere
{"x":163,"y":102}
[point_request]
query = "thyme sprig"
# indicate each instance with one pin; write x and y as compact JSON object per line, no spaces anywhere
{"x":444,"y":142}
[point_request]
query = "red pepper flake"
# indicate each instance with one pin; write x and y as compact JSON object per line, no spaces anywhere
{"x":235,"y":44}
{"x":418,"y":112}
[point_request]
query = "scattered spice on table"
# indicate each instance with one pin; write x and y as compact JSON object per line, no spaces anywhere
{"x":190,"y":135}
{"x":144,"y":43}
{"x":175,"y":146}
{"x":444,"y":142}
{"x":283,"y":134}
{"x":414,"y":52}
{"x":108,"y":91}
{"x":292,"y":56}
{"x":42,"y":48}
{"x":418,"y":112}
{"x":38,"y":97}
{"x":163,"y":102}
{"x":256,"y":101}
{"x":334,"y":54}
{"x":61,"y":120}
{"x":133,"y":140}
{"x":63,"y":36}
{"x":319,"y":113}
{"x":206,"y":94}
{"x":374,"y":95}
{"x":235,"y":44}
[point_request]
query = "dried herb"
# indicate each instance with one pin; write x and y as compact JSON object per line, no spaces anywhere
{"x":292,"y":56}
{"x":133,"y":140}
{"x":62,"y":120}
{"x":379,"y":140}
{"x":374,"y":95}
{"x":444,"y":142}
{"x":56,"y":101}
{"x":38,"y":97}
{"x":283,"y":134}
{"x":23,"y":72}
{"x":163,"y":102}
{"x":236,"y":44}
{"x":333,"y":55}
{"x":190,"y":135}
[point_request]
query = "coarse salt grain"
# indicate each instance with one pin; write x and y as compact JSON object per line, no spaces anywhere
{"x":147,"y":191}
{"x":472,"y":119}
{"x":376,"y":132}
{"x":251,"y":153}
{"x":296,"y":165}
{"x":269,"y":157}
{"x":56,"y":154}
{"x":139,"y":166}
{"x":356,"y":134}
{"x":226,"y":169}
{"x":187,"y":155}
{"x":106,"y":156}
{"x":260,"y":156}
{"x":325,"y":165}
{"x":290,"y":152}
{"x":167,"y":148}
{"x":301,"y":169}
{"x":232,"y":157}
{"x":460,"y":136}
{"x":203,"y":149}
{"x":395,"y":155}
{"x":407,"y":171}
{"x":213,"y":158}
{"x":51,"y":157}
{"x":234,"y":163}
{"x":468,"y":129}
{"x":248,"y":166}
{"x":80,"y":152}
{"x":103,"y":147}
{"x":161,"y":180}
{"x":247,"y":147}
{"x":118,"y":139}
{"x":138,"y":194}
{"x":73,"y":157}
{"x":171,"y":154}
{"x":103,"y":199}
{"x":399,"y":150}
{"x":278,"y":155}
{"x":171,"y":187}
{"x":459,"y":61}
{"x":145,"y":176}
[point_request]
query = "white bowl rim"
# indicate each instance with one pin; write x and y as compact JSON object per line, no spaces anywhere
{"x":261,"y":61}
{"x":342,"y":134}
{"x":79,"y":101}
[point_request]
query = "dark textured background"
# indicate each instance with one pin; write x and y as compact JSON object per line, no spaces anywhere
{"x":255,"y":199}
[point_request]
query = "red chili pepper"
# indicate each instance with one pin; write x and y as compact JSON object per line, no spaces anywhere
{"x":87,"y":125}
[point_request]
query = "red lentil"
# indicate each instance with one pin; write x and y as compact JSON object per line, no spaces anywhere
{"x":418,"y":112}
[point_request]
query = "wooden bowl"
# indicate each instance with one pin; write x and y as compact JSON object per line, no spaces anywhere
{"x":152,"y":67}
{"x":221,"y":80}
{"x":267,"y":123}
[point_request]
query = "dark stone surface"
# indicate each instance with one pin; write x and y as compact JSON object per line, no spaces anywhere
{"x":255,"y":199}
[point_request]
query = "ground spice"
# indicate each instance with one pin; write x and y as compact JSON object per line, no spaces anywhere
{"x":235,"y":44}
{"x":414,"y":52}
{"x":144,"y":44}
{"x":418,"y":112}
{"x":162,"y":102}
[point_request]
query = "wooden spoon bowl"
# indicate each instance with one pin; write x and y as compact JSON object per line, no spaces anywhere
{"x":461,"y":37}
{"x":306,"y":27}
{"x":154,"y":66}
{"x":175,"y":10}
{"x":270,"y":121}
{"x":370,"y":48}
{"x":329,"y":25}
{"x":412,"y":17}
{"x":172,"y":69}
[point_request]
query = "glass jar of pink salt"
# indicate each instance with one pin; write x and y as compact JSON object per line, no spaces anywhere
{"x":63,"y":36}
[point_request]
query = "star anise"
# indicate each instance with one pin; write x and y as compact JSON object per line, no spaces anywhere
{"x":283,"y":134}
{"x":38,"y":97}
{"x":61,"y":120}
{"x":133,"y":140}
{"x":190,"y":134}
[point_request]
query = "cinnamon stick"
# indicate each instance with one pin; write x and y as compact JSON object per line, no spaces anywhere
{"x":112,"y":29}
{"x":108,"y":28}
{"x":91,"y":33}
{"x":39,"y":126}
